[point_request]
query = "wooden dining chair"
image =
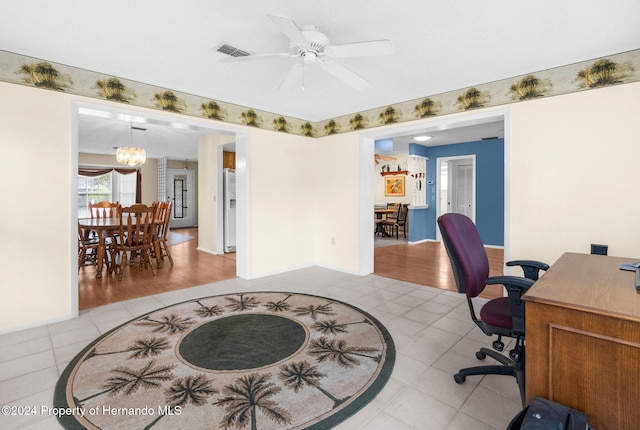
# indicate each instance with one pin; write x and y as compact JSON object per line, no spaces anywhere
{"x":393,"y":215}
{"x":87,"y":249}
{"x":399,"y":222}
{"x":103,"y":209}
{"x":135,"y":241}
{"x":162,"y":212}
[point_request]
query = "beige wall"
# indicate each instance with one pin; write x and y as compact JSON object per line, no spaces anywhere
{"x":572,"y":168}
{"x":36,"y":245}
{"x":573,"y":162}
{"x":283,"y":206}
{"x":336,"y":197}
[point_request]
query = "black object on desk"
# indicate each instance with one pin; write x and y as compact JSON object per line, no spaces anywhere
{"x":598,"y":249}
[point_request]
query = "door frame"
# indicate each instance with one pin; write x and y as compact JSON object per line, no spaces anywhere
{"x":439,"y":208}
{"x":243,"y":176}
{"x":367,"y":167}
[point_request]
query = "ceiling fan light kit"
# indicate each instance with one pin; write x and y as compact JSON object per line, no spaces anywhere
{"x":312,"y":46}
{"x":309,"y":57}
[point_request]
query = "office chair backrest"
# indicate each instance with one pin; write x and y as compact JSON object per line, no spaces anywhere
{"x":467,"y":254}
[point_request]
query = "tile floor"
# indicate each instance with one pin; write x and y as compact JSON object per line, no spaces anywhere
{"x":431,"y":328}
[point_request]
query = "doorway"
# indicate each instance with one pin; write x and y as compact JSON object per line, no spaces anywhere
{"x":241,"y":263}
{"x":181,"y":192}
{"x":453,"y":128}
{"x":456,"y":190}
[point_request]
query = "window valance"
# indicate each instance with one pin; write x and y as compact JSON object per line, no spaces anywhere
{"x":92,"y":172}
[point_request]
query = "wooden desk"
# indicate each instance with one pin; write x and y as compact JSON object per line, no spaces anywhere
{"x":583,"y":339}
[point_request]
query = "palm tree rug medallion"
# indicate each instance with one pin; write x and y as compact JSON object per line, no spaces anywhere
{"x":264,"y":360}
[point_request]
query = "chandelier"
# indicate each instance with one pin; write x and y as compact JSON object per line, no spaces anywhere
{"x":130,"y":155}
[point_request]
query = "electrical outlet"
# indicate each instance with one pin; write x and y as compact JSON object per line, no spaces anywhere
{"x":333,"y":240}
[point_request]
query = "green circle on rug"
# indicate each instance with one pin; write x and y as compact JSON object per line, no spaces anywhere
{"x":242,"y":342}
{"x":265,"y":360}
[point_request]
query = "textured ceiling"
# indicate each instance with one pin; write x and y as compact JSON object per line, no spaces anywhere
{"x":441,"y":45}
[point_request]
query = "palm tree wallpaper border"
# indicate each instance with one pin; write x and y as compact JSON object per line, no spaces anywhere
{"x":615,"y":69}
{"x":264,"y":360}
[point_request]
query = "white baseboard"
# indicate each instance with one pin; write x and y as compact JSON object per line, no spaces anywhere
{"x":35,"y":324}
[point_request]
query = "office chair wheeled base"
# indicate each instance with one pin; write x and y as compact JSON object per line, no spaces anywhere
{"x":507,"y":367}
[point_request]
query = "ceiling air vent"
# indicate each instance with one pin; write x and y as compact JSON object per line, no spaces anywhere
{"x":232,"y":51}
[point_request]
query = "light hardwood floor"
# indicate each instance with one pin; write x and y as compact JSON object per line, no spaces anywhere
{"x":191,"y":267}
{"x":425,"y":263}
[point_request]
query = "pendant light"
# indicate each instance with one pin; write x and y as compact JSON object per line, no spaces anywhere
{"x":131,"y":155}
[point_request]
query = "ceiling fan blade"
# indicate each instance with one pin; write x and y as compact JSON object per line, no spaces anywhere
{"x":253,"y":57}
{"x":290,"y":29}
{"x":362,"y":49}
{"x":348,"y":76}
{"x":294,"y":76}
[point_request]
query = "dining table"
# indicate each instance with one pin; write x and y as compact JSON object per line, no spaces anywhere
{"x":379,"y":216}
{"x":103,"y":228}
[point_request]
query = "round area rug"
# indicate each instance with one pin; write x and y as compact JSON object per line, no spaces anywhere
{"x":264,"y":360}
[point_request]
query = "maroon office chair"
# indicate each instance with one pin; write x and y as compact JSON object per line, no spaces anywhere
{"x":503,"y":316}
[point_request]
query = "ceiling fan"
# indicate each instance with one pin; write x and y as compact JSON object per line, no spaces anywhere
{"x":312,"y":47}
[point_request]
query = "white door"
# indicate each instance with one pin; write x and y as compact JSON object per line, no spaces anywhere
{"x":456,"y":188}
{"x":461,"y":187}
{"x":181,"y":192}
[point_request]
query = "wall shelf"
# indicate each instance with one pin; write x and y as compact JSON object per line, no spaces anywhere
{"x":394,"y":172}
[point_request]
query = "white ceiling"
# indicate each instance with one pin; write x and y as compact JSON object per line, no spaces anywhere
{"x":441,"y":45}
{"x":100,"y":132}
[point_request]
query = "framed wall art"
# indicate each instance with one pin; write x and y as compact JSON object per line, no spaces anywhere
{"x":394,"y":186}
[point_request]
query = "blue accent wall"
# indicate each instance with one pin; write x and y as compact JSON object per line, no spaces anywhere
{"x":384,"y":144}
{"x":489,"y":188}
{"x":418,"y":224}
